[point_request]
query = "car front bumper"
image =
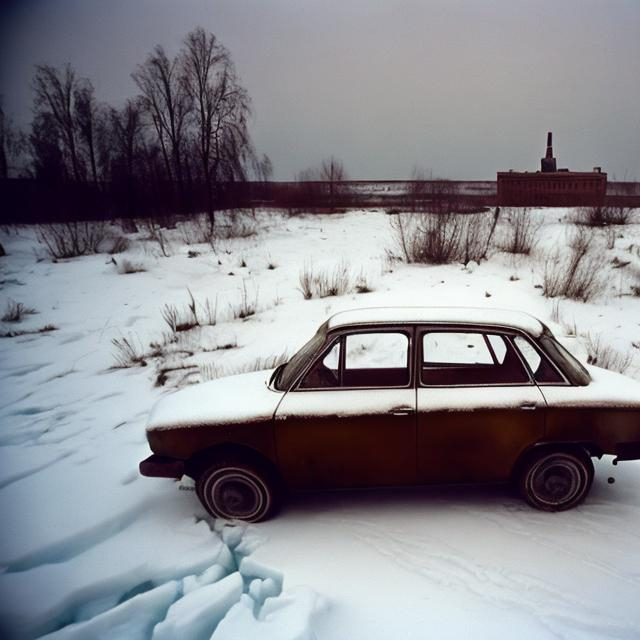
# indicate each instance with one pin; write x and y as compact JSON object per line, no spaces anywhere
{"x":162,"y":467}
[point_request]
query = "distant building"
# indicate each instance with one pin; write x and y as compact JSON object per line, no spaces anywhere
{"x":551,"y":186}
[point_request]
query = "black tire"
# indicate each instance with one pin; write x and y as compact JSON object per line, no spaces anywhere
{"x":234,"y":489}
{"x":556,"y":480}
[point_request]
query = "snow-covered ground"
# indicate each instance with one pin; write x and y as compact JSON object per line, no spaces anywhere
{"x":89,"y":549}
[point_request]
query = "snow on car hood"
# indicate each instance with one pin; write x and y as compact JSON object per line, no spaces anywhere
{"x":236,"y":399}
{"x":606,"y":389}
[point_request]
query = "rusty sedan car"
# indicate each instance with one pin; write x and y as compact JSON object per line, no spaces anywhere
{"x":400,"y":396}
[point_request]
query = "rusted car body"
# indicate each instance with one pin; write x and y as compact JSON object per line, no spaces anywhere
{"x":405,"y":396}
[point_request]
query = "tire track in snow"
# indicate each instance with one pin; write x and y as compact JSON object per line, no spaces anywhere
{"x":78,"y":543}
{"x":30,"y":472}
{"x":588,"y":526}
{"x":449,"y":567}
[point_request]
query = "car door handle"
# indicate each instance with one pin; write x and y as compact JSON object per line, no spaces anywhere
{"x":402,"y":411}
{"x":528,"y":407}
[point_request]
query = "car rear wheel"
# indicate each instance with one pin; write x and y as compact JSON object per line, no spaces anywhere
{"x":236,"y":490}
{"x":556,"y":480}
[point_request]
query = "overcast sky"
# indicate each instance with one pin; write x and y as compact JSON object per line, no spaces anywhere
{"x":461,"y":88}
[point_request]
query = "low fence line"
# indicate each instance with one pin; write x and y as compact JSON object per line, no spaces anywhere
{"x":33,"y":201}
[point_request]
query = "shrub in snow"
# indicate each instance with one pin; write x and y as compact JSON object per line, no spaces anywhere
{"x":443,"y":238}
{"x":127,"y":266}
{"x":576,"y":275}
{"x":603,"y":215}
{"x":521,"y":232}
{"x":72,"y":239}
{"x":235,"y":224}
{"x":156,"y":234}
{"x":196,"y":230}
{"x":2,"y":251}
{"x":603,"y":355}
{"x":117,"y":244}
{"x":15,"y":311}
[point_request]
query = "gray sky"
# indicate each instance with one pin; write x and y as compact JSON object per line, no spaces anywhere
{"x":462,"y":88}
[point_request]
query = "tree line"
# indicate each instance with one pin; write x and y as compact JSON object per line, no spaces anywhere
{"x":179,"y":143}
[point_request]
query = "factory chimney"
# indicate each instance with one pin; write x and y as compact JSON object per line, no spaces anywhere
{"x":548,"y":163}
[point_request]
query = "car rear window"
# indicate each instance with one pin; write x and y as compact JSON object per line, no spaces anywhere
{"x":469,"y":358}
{"x":543,"y":371}
{"x":569,"y":365}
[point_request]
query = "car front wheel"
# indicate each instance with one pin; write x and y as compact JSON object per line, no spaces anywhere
{"x":556,"y":480}
{"x":235,"y":490}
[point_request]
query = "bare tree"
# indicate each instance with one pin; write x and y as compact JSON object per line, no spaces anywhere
{"x":167,"y":104}
{"x":12,"y":146}
{"x":221,"y":109}
{"x":5,"y":137}
{"x":332,"y":171}
{"x":126,"y":153}
{"x":418,"y":188}
{"x":54,"y":96}
{"x":87,"y":115}
{"x":264,"y":168}
{"x":47,"y":161}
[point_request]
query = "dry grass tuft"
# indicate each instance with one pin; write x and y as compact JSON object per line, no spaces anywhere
{"x":333,"y":281}
{"x":194,"y":315}
{"x":603,"y":355}
{"x":212,"y":372}
{"x":128,"y":353}
{"x":15,"y":311}
{"x":248,"y":304}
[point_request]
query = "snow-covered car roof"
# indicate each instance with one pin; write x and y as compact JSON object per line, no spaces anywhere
{"x":454,"y":315}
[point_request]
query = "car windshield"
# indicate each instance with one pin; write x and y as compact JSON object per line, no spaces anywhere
{"x":295,"y":366}
{"x":568,"y":363}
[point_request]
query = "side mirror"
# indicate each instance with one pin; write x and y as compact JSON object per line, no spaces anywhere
{"x":276,"y":373}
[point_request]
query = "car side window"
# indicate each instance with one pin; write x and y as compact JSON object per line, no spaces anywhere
{"x":451,"y":358}
{"x":371,"y":359}
{"x":325,"y":373}
{"x":376,"y":359}
{"x":543,"y":371}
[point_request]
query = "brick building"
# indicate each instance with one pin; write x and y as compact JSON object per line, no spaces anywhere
{"x":551,"y":186}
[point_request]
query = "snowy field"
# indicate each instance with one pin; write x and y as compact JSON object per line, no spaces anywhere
{"x":89,"y":549}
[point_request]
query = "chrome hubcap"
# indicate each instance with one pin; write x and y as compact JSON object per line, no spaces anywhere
{"x":556,"y":480}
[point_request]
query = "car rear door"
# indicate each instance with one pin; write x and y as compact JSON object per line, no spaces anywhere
{"x":351,"y":420}
{"x":478,"y":407}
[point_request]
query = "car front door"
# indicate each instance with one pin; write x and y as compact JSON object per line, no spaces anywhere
{"x":351,"y":420}
{"x":478,"y":407}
